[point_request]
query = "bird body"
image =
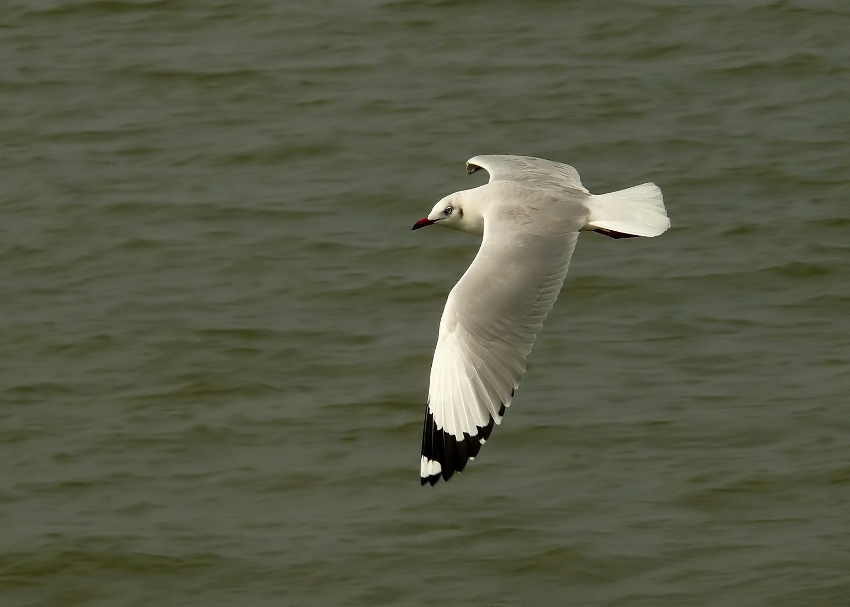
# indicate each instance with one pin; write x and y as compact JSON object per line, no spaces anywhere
{"x":529,"y":216}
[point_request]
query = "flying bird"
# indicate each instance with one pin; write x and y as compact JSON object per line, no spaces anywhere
{"x":529,"y":214}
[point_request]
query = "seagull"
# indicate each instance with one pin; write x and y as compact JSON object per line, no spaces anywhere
{"x":529,"y":214}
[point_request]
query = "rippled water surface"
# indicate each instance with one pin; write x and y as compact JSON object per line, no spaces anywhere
{"x":217,"y":324}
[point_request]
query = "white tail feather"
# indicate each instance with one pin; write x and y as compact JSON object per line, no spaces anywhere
{"x":637,"y":211}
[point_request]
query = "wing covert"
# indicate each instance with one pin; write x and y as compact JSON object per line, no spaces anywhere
{"x":536,"y":172}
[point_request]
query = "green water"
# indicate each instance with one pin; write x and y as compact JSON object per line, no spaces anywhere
{"x":217,"y":325}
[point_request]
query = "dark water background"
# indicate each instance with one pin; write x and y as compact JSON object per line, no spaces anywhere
{"x":216,"y":325}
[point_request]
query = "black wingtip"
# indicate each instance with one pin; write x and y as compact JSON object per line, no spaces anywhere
{"x":450,"y":452}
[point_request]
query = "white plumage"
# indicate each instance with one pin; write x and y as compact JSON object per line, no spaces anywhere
{"x":530,"y":214}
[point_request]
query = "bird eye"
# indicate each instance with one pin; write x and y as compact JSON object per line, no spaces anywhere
{"x":447,"y":211}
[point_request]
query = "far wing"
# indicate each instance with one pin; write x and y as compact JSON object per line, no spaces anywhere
{"x":489,"y":325}
{"x":533,"y":171}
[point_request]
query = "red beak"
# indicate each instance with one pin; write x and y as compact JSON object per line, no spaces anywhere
{"x":422,"y":223}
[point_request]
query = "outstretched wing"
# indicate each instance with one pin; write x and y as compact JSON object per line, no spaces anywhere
{"x":535,"y":172}
{"x":489,"y":325}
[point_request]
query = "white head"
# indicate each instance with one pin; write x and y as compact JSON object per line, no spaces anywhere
{"x":458,"y":211}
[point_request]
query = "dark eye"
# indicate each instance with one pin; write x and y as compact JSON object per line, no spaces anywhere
{"x":447,"y":211}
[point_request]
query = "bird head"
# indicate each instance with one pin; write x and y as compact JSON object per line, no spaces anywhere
{"x":454,"y":212}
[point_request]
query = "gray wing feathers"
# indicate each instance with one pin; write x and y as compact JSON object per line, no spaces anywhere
{"x":489,"y":327}
{"x":536,"y":172}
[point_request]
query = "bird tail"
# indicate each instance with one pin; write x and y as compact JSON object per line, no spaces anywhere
{"x":637,"y":211}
